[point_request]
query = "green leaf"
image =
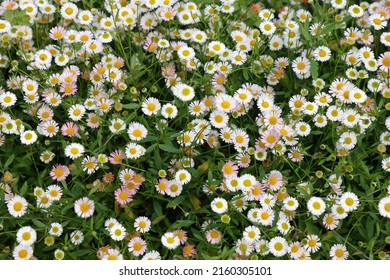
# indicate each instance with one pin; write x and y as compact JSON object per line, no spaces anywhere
{"x":195,"y":202}
{"x":176,"y":201}
{"x":23,"y":190}
{"x":157,"y":208}
{"x":169,"y":148}
{"x":158,"y":219}
{"x":9,"y":161}
{"x":182,"y":223}
{"x":131,"y":106}
{"x":38,"y":223}
{"x":314,"y":69}
{"x":303,"y":29}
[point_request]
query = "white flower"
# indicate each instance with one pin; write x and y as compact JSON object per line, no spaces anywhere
{"x":278,"y":246}
{"x":384,"y":207}
{"x":74,"y":150}
{"x":349,"y":201}
{"x":219,"y":205}
{"x":183,"y":176}
{"x":386,"y":164}
{"x":26,"y":236}
{"x":170,"y":241}
{"x":117,"y":232}
{"x":316,"y":206}
{"x":28,"y":137}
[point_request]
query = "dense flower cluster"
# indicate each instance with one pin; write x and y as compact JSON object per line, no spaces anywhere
{"x":161,"y":129}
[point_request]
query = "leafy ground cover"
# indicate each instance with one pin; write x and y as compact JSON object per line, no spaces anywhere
{"x":165,"y":129}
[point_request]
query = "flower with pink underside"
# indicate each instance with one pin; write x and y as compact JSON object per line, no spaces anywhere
{"x":229,"y":170}
{"x":59,"y":172}
{"x":123,"y":195}
{"x":189,"y":251}
{"x":84,"y":207}
{"x":116,"y":157}
{"x":213,"y":236}
{"x":57,"y":33}
{"x":274,"y":180}
{"x":182,"y":234}
{"x":69,"y":129}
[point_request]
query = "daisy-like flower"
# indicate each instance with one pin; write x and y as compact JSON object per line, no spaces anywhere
{"x":74,"y":150}
{"x":251,"y":234}
{"x":264,"y":216}
{"x":384,"y":207}
{"x":76,"y":237}
{"x":5,"y":26}
{"x":377,"y":21}
{"x":385,"y":38}
{"x":85,"y":17}
{"x":183,"y":176}
{"x":169,"y":111}
{"x":151,"y":106}
{"x":290,"y":203}
{"x":69,"y":129}
{"x":134,"y":151}
{"x":216,"y":47}
{"x":137,"y":131}
{"x":338,"y":252}
{"x":267,"y":27}
{"x":302,"y":129}
{"x":137,"y":246}
{"x":117,"y":232}
{"x":322,"y":53}
{"x":244,"y":247}
{"x":278,"y":246}
{"x":7,"y":99}
{"x":229,"y":170}
{"x":219,"y":205}
{"x":386,"y":164}
{"x":76,"y":112}
{"x":84,"y":207}
{"x":283,"y":225}
{"x":348,"y":140}
{"x":152,"y":255}
{"x":384,"y":62}
{"x":316,"y":206}
{"x":48,"y":128}
{"x":170,"y":241}
{"x":267,"y":201}
{"x":240,"y":139}
{"x":338,"y":4}
{"x":329,"y":221}
{"x":29,"y":86}
{"x":17,"y":206}
{"x":274,"y":180}
{"x":349,"y":201}
{"x":90,"y":164}
{"x":69,"y":11}
{"x":301,"y":65}
{"x":117,"y":125}
{"x":219,"y":119}
{"x":313,"y":243}
{"x":183,"y":91}
{"x":57,"y":33}
{"x":28,"y":137}
{"x":56,"y":229}
{"x":213,"y":236}
{"x":355,"y":11}
{"x":22,"y":252}
{"x":59,"y":172}
{"x":123,"y":195}
{"x":26,"y":236}
{"x":54,"y":192}
{"x":174,"y":188}
{"x":112,"y":255}
{"x":142,"y":224}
